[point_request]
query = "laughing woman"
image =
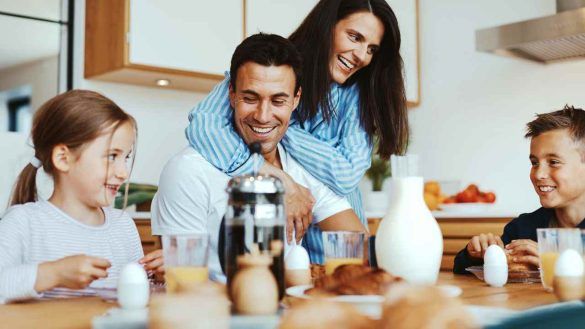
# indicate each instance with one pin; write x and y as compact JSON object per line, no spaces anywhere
{"x":352,"y":90}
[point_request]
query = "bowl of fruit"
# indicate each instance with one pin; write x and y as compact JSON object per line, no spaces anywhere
{"x":471,"y":199}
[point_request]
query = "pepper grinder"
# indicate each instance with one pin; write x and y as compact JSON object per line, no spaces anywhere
{"x":254,"y":289}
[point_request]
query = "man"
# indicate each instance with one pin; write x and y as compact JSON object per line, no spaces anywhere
{"x":264,"y":90}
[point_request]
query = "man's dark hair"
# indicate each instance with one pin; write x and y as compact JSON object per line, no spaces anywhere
{"x":267,"y":50}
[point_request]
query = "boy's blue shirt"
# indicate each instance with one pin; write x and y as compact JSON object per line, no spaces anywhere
{"x":522,"y":227}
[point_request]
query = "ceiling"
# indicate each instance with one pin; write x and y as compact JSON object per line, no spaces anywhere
{"x":24,"y":40}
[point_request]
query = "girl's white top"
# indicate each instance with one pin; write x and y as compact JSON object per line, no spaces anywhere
{"x":38,"y":232}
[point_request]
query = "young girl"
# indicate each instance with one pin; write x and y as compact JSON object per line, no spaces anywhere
{"x":74,"y":239}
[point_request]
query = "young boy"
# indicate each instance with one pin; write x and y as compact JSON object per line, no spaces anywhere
{"x":557,"y":154}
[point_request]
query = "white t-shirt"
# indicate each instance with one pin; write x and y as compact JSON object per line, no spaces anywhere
{"x":38,"y":232}
{"x":191,"y":198}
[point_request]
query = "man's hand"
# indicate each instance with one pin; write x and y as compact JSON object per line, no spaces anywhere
{"x":524,"y":251}
{"x":479,"y":244}
{"x":299,"y":203}
{"x":74,"y":272}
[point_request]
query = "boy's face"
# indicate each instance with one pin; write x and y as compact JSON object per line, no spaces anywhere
{"x":558,"y":169}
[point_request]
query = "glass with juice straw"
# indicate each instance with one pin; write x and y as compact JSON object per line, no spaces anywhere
{"x":551,"y":243}
{"x":185,"y":259}
{"x":342,"y":247}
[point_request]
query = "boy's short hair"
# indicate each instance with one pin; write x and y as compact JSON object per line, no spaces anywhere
{"x":569,"y":117}
{"x":266,"y":49}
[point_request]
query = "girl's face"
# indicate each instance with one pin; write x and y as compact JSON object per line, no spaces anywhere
{"x":101,"y":167}
{"x":356,"y":39}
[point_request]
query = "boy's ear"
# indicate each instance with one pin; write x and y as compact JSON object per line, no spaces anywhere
{"x":62,"y":157}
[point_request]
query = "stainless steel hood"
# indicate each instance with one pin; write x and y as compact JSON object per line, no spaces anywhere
{"x":547,"y":39}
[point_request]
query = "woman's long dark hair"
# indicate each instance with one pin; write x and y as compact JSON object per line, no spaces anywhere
{"x":383,"y":110}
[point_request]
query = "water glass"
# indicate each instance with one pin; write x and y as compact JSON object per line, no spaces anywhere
{"x":185,"y":258}
{"x":342,"y":247}
{"x":551,"y":243}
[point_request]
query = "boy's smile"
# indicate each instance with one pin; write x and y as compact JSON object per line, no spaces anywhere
{"x":558,"y":169}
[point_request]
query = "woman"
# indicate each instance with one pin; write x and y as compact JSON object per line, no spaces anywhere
{"x":352,"y":90}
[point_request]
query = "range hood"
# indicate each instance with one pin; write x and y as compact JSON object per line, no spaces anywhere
{"x":547,"y":39}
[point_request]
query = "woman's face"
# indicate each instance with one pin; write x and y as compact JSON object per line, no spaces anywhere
{"x":356,"y":39}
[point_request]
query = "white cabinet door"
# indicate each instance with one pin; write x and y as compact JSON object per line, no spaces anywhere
{"x":187,"y":35}
{"x":276,"y":16}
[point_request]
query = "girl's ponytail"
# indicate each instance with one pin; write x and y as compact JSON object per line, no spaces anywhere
{"x":25,"y":189}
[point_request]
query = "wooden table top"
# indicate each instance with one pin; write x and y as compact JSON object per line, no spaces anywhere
{"x":78,"y":312}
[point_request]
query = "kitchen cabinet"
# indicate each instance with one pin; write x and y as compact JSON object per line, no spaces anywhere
{"x":149,"y":242}
{"x":457,"y":232}
{"x":187,"y":43}
{"x":280,"y":17}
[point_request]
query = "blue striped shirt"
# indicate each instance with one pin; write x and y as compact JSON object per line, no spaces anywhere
{"x":336,"y":152}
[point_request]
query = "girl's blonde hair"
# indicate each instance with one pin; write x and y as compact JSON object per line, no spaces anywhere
{"x":73,"y":118}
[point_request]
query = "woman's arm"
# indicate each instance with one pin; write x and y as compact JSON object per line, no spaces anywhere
{"x":211,"y":133}
{"x":341,"y":163}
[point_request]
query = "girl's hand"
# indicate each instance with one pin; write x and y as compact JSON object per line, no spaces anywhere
{"x":479,"y":244}
{"x":74,"y":272}
{"x":153,"y":262}
{"x":523,"y":251}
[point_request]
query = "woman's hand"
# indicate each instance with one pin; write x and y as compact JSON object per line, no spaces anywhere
{"x":479,"y":244}
{"x":299,"y":203}
{"x":74,"y":272}
{"x":153,"y":263}
{"x":524,"y":251}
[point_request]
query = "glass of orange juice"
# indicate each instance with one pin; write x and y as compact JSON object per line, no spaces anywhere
{"x":185,"y":257}
{"x":342,"y":247}
{"x":551,"y":242}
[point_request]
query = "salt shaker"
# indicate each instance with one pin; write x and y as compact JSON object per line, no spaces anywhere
{"x":254,"y":290}
{"x":495,"y":266}
{"x":133,"y":287}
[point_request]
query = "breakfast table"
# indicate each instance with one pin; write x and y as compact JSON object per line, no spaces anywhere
{"x":79,"y":312}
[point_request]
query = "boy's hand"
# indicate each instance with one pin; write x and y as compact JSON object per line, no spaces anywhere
{"x":153,"y":263}
{"x":479,"y":244}
{"x":524,"y":251}
{"x":74,"y":272}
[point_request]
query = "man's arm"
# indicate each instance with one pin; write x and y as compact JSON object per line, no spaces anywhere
{"x":345,"y":220}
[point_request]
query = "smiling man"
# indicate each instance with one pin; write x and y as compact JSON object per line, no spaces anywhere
{"x":264,"y":91}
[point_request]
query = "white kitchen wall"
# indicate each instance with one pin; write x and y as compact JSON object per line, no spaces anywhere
{"x":474,"y":108}
{"x":470,"y":123}
{"x":161,"y":114}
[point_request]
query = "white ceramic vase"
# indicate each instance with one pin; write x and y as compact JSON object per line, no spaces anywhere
{"x":409,"y":242}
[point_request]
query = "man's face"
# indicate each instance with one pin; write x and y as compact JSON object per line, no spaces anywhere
{"x":558,"y":169}
{"x":263,"y":100}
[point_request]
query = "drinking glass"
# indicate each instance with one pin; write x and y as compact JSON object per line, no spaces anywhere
{"x":552,"y":242}
{"x":185,"y":257}
{"x":342,"y":247}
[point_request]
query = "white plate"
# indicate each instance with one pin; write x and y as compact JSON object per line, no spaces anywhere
{"x":370,"y":305}
{"x":471,"y":207}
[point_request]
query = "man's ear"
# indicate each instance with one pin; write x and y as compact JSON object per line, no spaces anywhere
{"x":232,"y":96}
{"x":62,"y":157}
{"x":297,"y":98}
